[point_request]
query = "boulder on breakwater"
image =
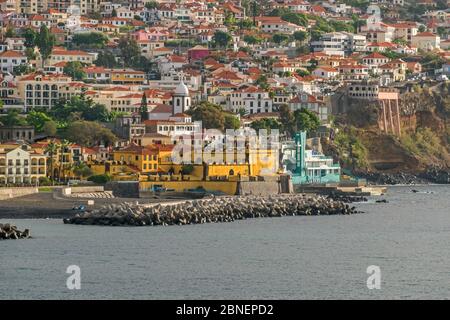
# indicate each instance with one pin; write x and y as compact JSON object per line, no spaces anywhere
{"x":218,"y":209}
{"x":8,"y":231}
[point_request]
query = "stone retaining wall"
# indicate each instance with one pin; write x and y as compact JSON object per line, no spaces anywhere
{"x":8,"y":193}
{"x":260,"y":188}
{"x":123,"y":189}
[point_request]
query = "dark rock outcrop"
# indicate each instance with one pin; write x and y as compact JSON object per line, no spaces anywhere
{"x":8,"y":231}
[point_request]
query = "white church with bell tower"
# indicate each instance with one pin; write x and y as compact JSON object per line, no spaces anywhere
{"x":181,"y":100}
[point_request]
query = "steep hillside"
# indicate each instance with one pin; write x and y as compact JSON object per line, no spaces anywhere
{"x":362,"y":147}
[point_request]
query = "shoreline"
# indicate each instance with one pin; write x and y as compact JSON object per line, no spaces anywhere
{"x":45,"y":206}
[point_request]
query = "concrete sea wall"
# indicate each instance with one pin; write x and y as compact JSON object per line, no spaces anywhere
{"x":8,"y":193}
{"x":89,"y":189}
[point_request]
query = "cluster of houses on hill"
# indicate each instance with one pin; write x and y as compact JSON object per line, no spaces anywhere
{"x":249,"y":59}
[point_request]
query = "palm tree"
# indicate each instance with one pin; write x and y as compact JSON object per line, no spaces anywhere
{"x":81,"y":170}
{"x":51,"y":150}
{"x":62,"y":147}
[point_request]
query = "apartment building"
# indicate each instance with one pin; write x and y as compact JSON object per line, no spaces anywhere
{"x":277,"y":25}
{"x":363,"y":90}
{"x":41,"y":91}
{"x":61,"y":5}
{"x":340,"y":43}
{"x":426,"y":41}
{"x":11,"y":59}
{"x":21,"y":164}
{"x":252,"y":99}
{"x":89,"y":6}
{"x":60,"y":54}
{"x":32,"y":6}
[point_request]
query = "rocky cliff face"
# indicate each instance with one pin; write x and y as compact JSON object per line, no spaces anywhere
{"x":420,"y":154}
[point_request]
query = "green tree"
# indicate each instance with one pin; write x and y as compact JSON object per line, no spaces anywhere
{"x":222,"y":39}
{"x":306,"y":120}
{"x":81,"y":170}
{"x":90,"y":40}
{"x":302,"y":72}
{"x":312,"y":65}
{"x":187,"y":169}
{"x":287,"y":120}
{"x":51,"y":150}
{"x":262,"y":82}
{"x":242,"y":112}
{"x":130,"y":51}
{"x":230,"y":20}
{"x":144,"y":107}
{"x":300,"y":35}
{"x":37,"y":119}
{"x":89,"y":133}
{"x":22,"y":69}
{"x":100,"y":179}
{"x":79,"y":107}
{"x":13,"y":118}
{"x":10,"y":32}
{"x":30,"y":53}
{"x":106,"y":59}
{"x":245,"y":23}
{"x":45,"y":42}
{"x":49,"y":128}
{"x":295,"y":18}
{"x":152,"y":5}
{"x":279,"y":38}
{"x":210,"y":114}
{"x":252,"y":39}
{"x":231,"y":122}
{"x":266,"y":124}
{"x":113,"y":13}
{"x":75,"y":70}
{"x":400,"y":41}
{"x":31,"y":37}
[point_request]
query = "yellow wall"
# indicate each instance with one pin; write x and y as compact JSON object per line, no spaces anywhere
{"x":126,"y":78}
{"x":145,"y":163}
{"x":228,"y":187}
{"x":224,"y":170}
{"x":197,"y":173}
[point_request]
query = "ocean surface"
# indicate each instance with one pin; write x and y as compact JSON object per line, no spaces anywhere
{"x":319,"y":257}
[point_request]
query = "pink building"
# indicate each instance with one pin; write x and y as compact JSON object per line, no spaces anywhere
{"x":198,"y":53}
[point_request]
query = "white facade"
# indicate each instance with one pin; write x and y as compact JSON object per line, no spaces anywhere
{"x":252,"y":101}
{"x":340,"y":43}
{"x":11,"y":59}
{"x":21,"y":166}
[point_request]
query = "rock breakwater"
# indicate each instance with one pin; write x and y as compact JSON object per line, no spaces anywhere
{"x":8,"y":231}
{"x":218,"y":209}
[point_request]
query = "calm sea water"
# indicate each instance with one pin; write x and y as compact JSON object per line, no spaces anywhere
{"x":322,"y":257}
